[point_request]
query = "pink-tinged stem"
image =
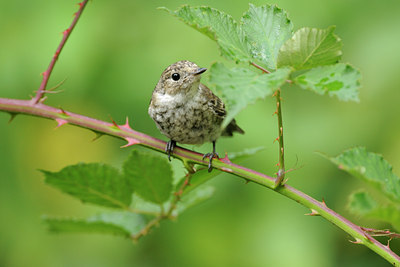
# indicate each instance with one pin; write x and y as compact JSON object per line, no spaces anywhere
{"x":46,"y":75}
{"x":124,"y":131}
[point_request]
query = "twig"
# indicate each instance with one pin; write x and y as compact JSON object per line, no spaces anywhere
{"x":147,"y":228}
{"x":266,"y":71}
{"x":46,"y":75}
{"x":377,"y":232}
{"x":178,"y":195}
{"x":260,"y":68}
{"x":14,"y":106}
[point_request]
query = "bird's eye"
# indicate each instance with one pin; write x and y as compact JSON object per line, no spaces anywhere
{"x":176,"y":76}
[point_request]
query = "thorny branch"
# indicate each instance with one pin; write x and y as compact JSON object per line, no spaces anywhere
{"x":35,"y":107}
{"x":281,"y":171}
{"x":46,"y":75}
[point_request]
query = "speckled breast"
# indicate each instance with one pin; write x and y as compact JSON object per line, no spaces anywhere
{"x":187,"y":122}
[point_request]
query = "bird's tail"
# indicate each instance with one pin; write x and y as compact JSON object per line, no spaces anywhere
{"x":231,"y":128}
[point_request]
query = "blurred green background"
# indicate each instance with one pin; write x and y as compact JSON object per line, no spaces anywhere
{"x":111,"y":64}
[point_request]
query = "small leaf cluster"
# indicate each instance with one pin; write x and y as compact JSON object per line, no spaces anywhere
{"x":142,"y":191}
{"x":375,"y":171}
{"x":263,"y":37}
{"x":138,"y":196}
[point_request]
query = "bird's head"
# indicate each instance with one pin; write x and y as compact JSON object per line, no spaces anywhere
{"x":181,"y":77}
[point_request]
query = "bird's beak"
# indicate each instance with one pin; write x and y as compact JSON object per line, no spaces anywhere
{"x":199,"y":71}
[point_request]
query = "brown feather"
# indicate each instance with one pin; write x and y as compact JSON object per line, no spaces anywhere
{"x":218,"y":107}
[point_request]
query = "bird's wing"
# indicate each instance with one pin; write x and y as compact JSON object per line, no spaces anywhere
{"x":218,"y":107}
{"x":215,"y":104}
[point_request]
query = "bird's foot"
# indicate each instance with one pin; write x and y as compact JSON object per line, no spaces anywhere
{"x":210,"y":156}
{"x":169,"y":149}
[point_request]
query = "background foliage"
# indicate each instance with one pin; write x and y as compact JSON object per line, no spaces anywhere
{"x":113,"y":61}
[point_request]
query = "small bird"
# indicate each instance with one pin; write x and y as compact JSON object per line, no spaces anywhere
{"x":186,"y":111}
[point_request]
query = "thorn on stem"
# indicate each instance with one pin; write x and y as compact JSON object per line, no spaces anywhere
{"x":388,"y":243}
{"x":63,"y":111}
{"x":60,"y":122}
{"x":226,"y":169}
{"x":226,"y":159}
{"x":113,"y":122}
{"x":126,"y":125}
{"x":357,"y":241}
{"x":98,"y":135}
{"x":313,"y":213}
{"x":131,"y":141}
{"x":13,"y":115}
{"x":42,"y":99}
{"x":187,"y":182}
{"x":367,"y":236}
{"x":66,"y":31}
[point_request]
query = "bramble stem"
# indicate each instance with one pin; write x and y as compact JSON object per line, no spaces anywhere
{"x":281,"y":171}
{"x":15,"y":106}
{"x":46,"y":75}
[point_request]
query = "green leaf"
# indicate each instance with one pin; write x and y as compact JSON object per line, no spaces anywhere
{"x":244,"y":154}
{"x":198,"y":196}
{"x":340,"y":80}
{"x":239,"y":87}
{"x":94,"y":183}
{"x":267,"y":28}
{"x":218,"y":26}
{"x":310,"y":47}
{"x":371,"y":168}
{"x":145,"y":207}
{"x":151,"y":176}
{"x":361,"y":203}
{"x":118,"y":223}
